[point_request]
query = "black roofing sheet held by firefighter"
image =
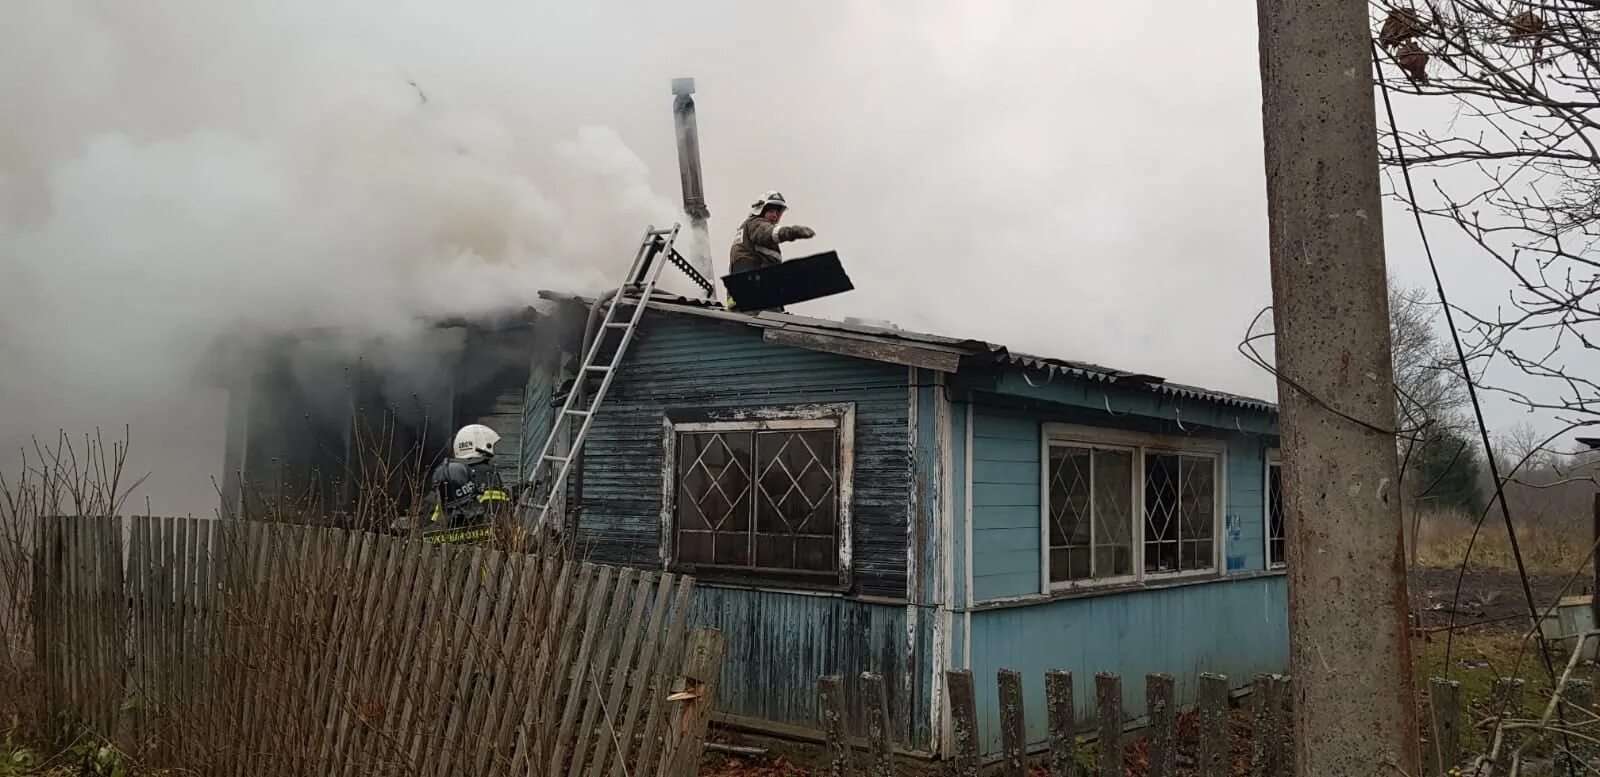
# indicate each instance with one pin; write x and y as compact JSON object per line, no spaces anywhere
{"x":968,"y":349}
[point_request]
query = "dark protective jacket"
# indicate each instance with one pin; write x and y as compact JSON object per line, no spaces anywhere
{"x":755,"y":245}
{"x":464,"y":492}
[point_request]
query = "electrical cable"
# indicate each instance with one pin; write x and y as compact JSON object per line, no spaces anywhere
{"x":1477,"y":406}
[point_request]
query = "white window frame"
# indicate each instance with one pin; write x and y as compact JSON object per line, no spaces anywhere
{"x":839,"y":417}
{"x":1140,"y":444}
{"x":1136,"y":502}
{"x":1274,"y":459}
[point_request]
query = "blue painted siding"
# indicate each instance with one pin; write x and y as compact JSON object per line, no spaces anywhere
{"x":1005,"y":506}
{"x":958,"y":480}
{"x":778,"y":644}
{"x":1232,"y":627}
{"x":681,"y":363}
{"x":1247,"y":472}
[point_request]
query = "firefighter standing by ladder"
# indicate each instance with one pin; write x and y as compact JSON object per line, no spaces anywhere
{"x":466,"y":495}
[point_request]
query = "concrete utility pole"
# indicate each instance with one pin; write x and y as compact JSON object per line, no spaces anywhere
{"x":1348,"y":634}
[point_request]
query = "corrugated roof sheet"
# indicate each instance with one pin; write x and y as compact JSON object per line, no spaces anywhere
{"x":969,"y":348}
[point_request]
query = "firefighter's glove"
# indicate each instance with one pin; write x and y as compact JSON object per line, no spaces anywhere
{"x":796,"y":232}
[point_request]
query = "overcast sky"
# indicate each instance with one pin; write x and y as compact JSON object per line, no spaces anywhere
{"x":1074,"y":180}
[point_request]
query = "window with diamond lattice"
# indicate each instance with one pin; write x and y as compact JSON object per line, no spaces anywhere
{"x":759,"y":499}
{"x":1179,"y":512}
{"x":1275,"y":534}
{"x":1090,"y":513}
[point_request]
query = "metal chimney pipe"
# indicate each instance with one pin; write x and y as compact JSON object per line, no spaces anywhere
{"x":694,"y":196}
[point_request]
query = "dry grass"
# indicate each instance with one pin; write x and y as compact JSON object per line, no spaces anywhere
{"x":71,"y":475}
{"x":1550,"y":544}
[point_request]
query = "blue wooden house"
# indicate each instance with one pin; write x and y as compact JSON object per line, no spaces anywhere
{"x":851,"y":497}
{"x":862,"y":498}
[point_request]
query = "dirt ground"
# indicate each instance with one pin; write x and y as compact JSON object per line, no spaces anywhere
{"x":1491,"y":600}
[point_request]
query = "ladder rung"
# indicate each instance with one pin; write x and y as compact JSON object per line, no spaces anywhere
{"x":561,"y":459}
{"x":666,"y":231}
{"x":577,"y":412}
{"x":597,"y":368}
{"x":617,"y":325}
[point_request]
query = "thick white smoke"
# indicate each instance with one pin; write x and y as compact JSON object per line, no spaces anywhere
{"x":184,"y":172}
{"x":1061,"y":178}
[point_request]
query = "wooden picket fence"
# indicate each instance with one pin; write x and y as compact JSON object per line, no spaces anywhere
{"x":1270,"y":728}
{"x":234,"y":648}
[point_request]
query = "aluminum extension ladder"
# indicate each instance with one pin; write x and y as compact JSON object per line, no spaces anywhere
{"x":547,"y":481}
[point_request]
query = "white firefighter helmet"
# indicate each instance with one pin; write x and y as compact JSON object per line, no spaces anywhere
{"x":767,"y":200}
{"x":474,"y":440}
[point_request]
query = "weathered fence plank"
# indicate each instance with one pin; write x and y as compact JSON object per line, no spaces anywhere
{"x":529,"y":618}
{"x":963,"y":721}
{"x":656,"y":732}
{"x":836,"y":759}
{"x":517,"y":579}
{"x":594,"y":627}
{"x":47,"y":637}
{"x":607,"y":696}
{"x":546,"y":729}
{"x":167,"y":582}
{"x":1060,"y":723}
{"x":1267,"y":756}
{"x":1013,"y":726}
{"x":239,"y":648}
{"x":1214,"y":751}
{"x":344,"y":587}
{"x":111,"y":603}
{"x":418,"y":710}
{"x":1444,"y":734}
{"x":377,"y":740}
{"x":875,"y":715}
{"x":1505,"y":704}
{"x":669,"y":600}
{"x":1163,"y":712}
{"x":183,"y":609}
{"x":702,"y":666}
{"x":467,"y":662}
{"x":1578,"y":711}
{"x":1108,"y":705}
{"x":76,"y":614}
{"x":352,"y":652}
{"x":592,"y":673}
{"x":198,"y":667}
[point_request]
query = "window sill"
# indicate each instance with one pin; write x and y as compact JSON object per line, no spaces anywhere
{"x":1156,"y":584}
{"x":719,"y":578}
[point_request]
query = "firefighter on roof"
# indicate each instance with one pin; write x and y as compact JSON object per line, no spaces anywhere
{"x":755,"y":244}
{"x":465,"y":489}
